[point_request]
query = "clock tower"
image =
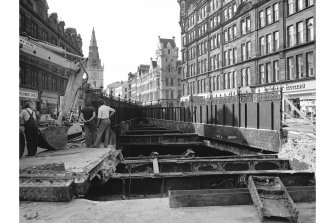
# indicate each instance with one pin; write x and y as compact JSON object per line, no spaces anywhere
{"x":94,"y":69}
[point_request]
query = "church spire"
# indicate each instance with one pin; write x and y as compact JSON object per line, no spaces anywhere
{"x":93,"y":39}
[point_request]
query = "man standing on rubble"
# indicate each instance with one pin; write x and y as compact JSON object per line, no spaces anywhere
{"x":104,"y":123}
{"x":87,"y":114}
{"x":30,"y":128}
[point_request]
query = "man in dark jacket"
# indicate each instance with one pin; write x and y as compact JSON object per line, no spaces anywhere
{"x":87,"y":114}
{"x":30,"y":128}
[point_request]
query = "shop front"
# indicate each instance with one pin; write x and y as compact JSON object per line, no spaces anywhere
{"x":49,"y":105}
{"x":302,"y":94}
{"x":28,"y":95}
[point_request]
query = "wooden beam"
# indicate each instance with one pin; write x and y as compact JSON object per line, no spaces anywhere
{"x":227,"y":197}
{"x":155,"y":165}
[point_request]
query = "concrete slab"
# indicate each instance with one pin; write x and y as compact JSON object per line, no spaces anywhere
{"x":79,"y":160}
{"x":144,"y":210}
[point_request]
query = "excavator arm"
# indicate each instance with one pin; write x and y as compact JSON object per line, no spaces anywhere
{"x":43,"y":51}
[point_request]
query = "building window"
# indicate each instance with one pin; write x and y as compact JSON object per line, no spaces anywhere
{"x":261,"y":19}
{"x":231,"y":58}
{"x":290,"y":38}
{"x":248,"y":50}
{"x":45,"y":82}
{"x":34,"y":78}
{"x":300,"y":66}
{"x":310,"y":29}
{"x":45,"y":35}
{"x":226,"y":58}
{"x":248,"y":24}
{"x":262,"y":45}
{"x":225,"y":15}
{"x":309,"y":3}
{"x":171,"y":82}
{"x":268,"y":16}
{"x":34,"y":29}
{"x":54,"y":84}
{"x":276,"y":41}
{"x":234,"y":8}
{"x":230,"y":34}
{"x":234,"y":32}
{"x":268,"y":73}
{"x":290,"y":7}
{"x":233,"y":79}
{"x":299,"y":5}
{"x":243,"y":52}
{"x":261,"y":74}
{"x":234,"y":55}
{"x":243,"y":27}
{"x":275,"y":71}
{"x":275,"y":12}
{"x":218,"y":82}
{"x":230,"y":15}
{"x":310,"y":64}
{"x":300,"y":33}
{"x":248,"y":79}
{"x":269,"y":43}
{"x":243,"y":82}
{"x":166,"y":81}
{"x":289,"y":68}
{"x":225,"y":36}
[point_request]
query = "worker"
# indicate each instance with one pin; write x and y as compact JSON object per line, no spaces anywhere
{"x":87,"y":114}
{"x":30,"y":128}
{"x":104,"y":123}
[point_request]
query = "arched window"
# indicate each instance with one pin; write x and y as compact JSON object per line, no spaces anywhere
{"x":94,"y":84}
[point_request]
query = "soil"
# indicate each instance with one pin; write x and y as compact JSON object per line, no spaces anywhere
{"x":301,"y":151}
{"x":143,"y":210}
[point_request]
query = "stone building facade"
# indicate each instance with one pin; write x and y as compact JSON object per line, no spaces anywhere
{"x":42,"y":81}
{"x":94,"y":68}
{"x":249,"y":46}
{"x":160,"y":81}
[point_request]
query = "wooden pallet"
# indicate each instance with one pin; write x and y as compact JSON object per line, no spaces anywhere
{"x":271,"y":199}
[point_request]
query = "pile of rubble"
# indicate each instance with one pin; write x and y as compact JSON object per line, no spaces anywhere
{"x":301,"y":152}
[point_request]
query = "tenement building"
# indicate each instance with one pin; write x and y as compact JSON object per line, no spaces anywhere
{"x":94,"y":68}
{"x":42,"y":80}
{"x":160,"y":81}
{"x":249,"y":46}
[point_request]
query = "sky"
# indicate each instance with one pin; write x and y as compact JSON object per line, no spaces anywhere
{"x":126,"y":31}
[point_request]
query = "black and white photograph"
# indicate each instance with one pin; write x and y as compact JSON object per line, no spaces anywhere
{"x":167,"y":111}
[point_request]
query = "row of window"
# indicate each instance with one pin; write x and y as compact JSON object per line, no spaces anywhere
{"x":298,"y":5}
{"x":214,"y":62}
{"x":215,"y":21}
{"x":296,"y":33}
{"x":219,"y":82}
{"x":272,"y":15}
{"x":269,"y":72}
{"x":230,"y":57}
{"x":296,"y":70}
{"x":31,"y":79}
{"x":230,"y":34}
{"x":269,"y":43}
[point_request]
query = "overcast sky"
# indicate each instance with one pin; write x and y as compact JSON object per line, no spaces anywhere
{"x":126,"y":30}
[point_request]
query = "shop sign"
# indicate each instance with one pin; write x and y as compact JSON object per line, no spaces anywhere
{"x":305,"y":85}
{"x":28,"y":94}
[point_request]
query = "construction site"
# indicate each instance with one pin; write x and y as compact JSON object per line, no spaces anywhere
{"x":202,"y":161}
{"x":215,"y":146}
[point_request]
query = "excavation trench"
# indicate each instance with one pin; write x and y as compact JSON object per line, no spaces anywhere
{"x":152,"y":162}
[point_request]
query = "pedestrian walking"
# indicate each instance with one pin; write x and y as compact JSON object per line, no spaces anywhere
{"x":30,"y":128}
{"x":104,"y":123}
{"x":87,"y":114}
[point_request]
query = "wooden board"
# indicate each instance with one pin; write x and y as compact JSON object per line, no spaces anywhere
{"x":227,"y":197}
{"x":271,"y":199}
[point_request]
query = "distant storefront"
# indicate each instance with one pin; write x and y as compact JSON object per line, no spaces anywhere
{"x":49,"y":103}
{"x":28,"y":95}
{"x":302,"y":94}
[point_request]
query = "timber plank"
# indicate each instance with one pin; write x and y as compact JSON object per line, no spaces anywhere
{"x":46,"y":190}
{"x":227,"y":197}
